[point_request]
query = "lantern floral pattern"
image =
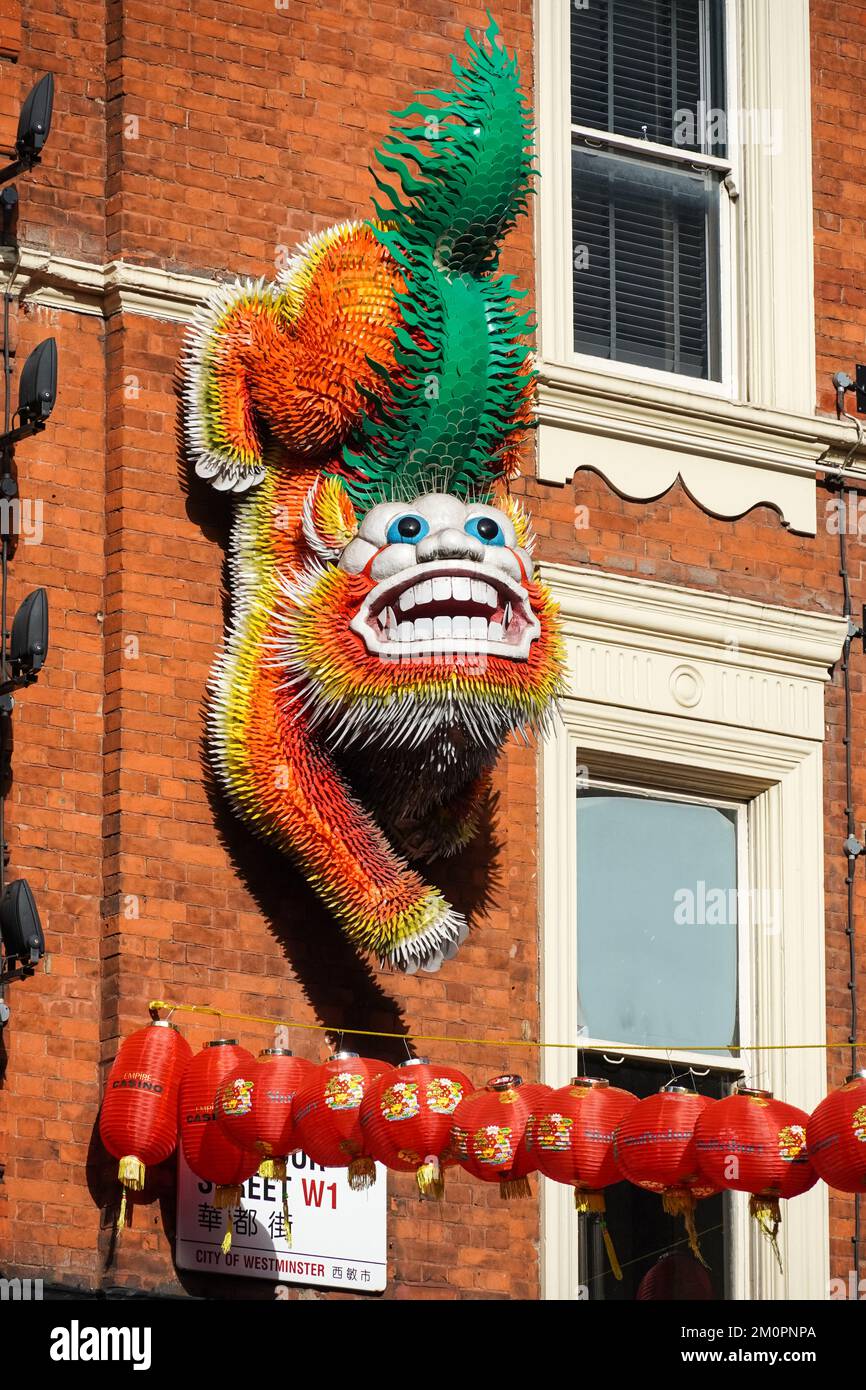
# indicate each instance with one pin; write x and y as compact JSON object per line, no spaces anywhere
{"x":345,"y":1091}
{"x":400,"y":1101}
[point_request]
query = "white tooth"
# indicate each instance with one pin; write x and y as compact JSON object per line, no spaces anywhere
{"x":423,"y":628}
{"x":406,"y":632}
{"x":407,"y":600}
{"x":494,"y":632}
{"x":490,"y":596}
{"x":461,"y":588}
{"x":441,"y":625}
{"x":478,"y":629}
{"x":479,"y":590}
{"x":424,"y":592}
{"x":459,"y":625}
{"x":392,"y":621}
{"x":507,"y":618}
{"x":442,"y":587}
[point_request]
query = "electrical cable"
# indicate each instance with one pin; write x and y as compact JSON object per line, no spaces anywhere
{"x":853,"y":848}
{"x":5,"y":470}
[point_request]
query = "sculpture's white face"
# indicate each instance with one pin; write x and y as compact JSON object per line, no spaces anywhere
{"x":449,"y":578}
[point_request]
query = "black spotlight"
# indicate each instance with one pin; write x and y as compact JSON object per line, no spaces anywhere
{"x":20,"y":930}
{"x":34,"y":123}
{"x":28,"y":646}
{"x":37,"y":393}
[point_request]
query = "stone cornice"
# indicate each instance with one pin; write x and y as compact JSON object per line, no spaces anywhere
{"x":83,"y":287}
{"x":642,"y":614}
{"x":641,"y":437}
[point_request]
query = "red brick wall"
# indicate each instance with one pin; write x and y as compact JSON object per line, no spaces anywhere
{"x":205,"y":138}
{"x":54,"y":819}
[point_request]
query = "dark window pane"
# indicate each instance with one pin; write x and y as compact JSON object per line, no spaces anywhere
{"x":645,"y":239}
{"x":644,"y":1236}
{"x":649,"y":69}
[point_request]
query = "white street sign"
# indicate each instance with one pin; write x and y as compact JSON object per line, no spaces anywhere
{"x":339,"y":1237}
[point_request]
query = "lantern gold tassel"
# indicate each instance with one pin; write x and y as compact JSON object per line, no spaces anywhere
{"x":514,"y":1187}
{"x":226,"y":1197}
{"x":287,"y":1220}
{"x":274,"y":1168}
{"x":676,"y":1202}
{"x":430,"y":1178}
{"x":766,"y":1212}
{"x":121,"y":1215}
{"x":362,"y":1173}
{"x":613,"y":1261}
{"x":130,"y":1171}
{"x":588,"y":1201}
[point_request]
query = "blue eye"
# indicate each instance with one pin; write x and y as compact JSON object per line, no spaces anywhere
{"x":407,"y":530}
{"x":486,"y":529}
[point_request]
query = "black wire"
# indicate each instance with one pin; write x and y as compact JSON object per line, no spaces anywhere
{"x":4,"y":558}
{"x":856,"y":1239}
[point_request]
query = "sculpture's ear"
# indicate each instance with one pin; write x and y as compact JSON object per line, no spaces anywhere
{"x":521,"y":521}
{"x":329,"y":518}
{"x":226,"y":342}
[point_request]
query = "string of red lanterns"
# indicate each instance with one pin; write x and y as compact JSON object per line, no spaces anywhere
{"x":235,"y":1115}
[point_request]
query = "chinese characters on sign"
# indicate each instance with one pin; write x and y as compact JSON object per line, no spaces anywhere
{"x":338,"y":1236}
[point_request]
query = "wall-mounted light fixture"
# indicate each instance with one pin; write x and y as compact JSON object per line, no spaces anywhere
{"x":37,"y":392}
{"x":34,"y":123}
{"x":20,"y":932}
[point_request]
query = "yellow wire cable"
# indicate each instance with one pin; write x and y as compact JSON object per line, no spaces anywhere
{"x":157,"y":1004}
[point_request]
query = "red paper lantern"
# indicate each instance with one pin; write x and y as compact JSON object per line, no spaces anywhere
{"x":676,"y":1278}
{"x":255,"y":1107}
{"x":751,"y":1142}
{"x":572,"y":1132}
{"x":654,"y":1147}
{"x":210,"y":1155}
{"x":406,"y":1120}
{"x":488,"y":1132}
{"x":138,"y":1119}
{"x":836,"y":1136}
{"x":254,"y":1110}
{"x":328,"y":1115}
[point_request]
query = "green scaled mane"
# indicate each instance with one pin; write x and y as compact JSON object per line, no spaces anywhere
{"x":456,"y":405}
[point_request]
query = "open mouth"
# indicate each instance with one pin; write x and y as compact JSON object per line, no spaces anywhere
{"x":450,"y":607}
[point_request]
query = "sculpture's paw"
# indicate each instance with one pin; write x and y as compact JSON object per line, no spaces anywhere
{"x":439,"y":940}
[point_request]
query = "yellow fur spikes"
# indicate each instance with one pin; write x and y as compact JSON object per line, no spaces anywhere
{"x":521,"y":521}
{"x":329,"y":518}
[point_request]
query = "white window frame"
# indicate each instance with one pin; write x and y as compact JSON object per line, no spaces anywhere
{"x":714,"y":697}
{"x":729,"y":221}
{"x":750,"y":439}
